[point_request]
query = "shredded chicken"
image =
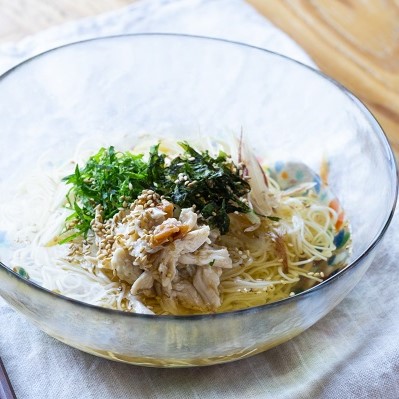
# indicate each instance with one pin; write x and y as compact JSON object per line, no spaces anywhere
{"x":144,"y":282}
{"x":170,"y":255}
{"x":206,"y":281}
{"x":160,"y":256}
{"x":186,"y":294}
{"x":122,"y":264}
{"x":208,"y":255}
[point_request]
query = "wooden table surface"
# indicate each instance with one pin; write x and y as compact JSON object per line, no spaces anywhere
{"x":354,"y":41}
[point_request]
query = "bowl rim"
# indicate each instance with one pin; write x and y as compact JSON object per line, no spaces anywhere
{"x":195,"y":317}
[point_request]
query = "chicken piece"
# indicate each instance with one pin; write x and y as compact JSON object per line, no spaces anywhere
{"x":193,"y":240}
{"x":186,"y":272}
{"x":170,"y":255}
{"x":214,"y":234}
{"x":137,"y":247}
{"x":144,"y":282}
{"x":122,"y":264}
{"x":172,"y":229}
{"x":188,"y":217}
{"x":188,"y":296}
{"x":169,"y":304}
{"x":207,"y":255}
{"x":206,"y":281}
{"x":159,"y":214}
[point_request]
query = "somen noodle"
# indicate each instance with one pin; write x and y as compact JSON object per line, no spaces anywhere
{"x":197,"y":233}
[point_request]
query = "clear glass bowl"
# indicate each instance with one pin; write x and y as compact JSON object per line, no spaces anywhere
{"x":179,"y":85}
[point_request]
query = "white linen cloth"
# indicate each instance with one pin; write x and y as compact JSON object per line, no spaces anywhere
{"x":352,"y":353}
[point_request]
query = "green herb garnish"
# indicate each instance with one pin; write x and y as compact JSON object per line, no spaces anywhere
{"x":115,"y":179}
{"x":111,"y":179}
{"x":213,"y":185}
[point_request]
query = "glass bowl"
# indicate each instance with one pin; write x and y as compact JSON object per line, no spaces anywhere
{"x":178,"y":86}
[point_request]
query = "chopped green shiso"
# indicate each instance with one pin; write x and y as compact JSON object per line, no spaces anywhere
{"x":113,"y":179}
